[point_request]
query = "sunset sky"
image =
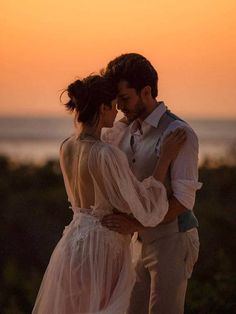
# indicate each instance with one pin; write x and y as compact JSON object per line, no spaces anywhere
{"x":46,"y":44}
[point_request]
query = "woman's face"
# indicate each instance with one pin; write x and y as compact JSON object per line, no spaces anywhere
{"x":109,"y":115}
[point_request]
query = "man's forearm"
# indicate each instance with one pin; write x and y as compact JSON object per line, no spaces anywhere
{"x":126,"y":224}
{"x":175,"y":209}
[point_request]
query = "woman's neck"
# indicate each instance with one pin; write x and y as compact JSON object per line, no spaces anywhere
{"x":92,"y":131}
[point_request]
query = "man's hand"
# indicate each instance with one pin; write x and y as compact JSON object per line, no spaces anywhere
{"x":122,"y":223}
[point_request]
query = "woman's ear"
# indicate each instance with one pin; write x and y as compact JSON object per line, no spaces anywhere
{"x":102,"y":109}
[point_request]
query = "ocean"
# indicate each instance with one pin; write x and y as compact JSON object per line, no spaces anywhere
{"x":38,"y":139}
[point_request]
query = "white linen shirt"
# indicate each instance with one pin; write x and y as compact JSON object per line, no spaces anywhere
{"x":184,"y":169}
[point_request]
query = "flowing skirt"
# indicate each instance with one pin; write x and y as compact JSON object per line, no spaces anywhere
{"x":90,"y":271}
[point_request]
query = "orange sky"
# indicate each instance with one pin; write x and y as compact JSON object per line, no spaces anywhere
{"x":46,"y":44}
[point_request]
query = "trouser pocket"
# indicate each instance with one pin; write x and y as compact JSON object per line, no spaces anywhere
{"x":192,"y":250}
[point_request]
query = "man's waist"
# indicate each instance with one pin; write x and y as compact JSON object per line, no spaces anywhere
{"x":183,"y":223}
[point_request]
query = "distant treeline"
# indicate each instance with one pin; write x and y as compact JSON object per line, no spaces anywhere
{"x":34,"y":211}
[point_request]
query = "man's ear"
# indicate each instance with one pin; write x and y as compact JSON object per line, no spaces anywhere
{"x":146,"y":91}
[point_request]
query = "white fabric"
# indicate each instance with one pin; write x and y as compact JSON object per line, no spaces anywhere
{"x":184,"y":169}
{"x":155,"y":116}
{"x":146,"y":200}
{"x":90,"y":270}
{"x":137,"y":133}
{"x":113,"y":135}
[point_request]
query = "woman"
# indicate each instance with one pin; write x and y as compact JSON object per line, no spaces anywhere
{"x":90,"y":270}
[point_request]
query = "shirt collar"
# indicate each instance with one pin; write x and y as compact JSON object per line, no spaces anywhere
{"x":152,"y":119}
{"x":136,"y":127}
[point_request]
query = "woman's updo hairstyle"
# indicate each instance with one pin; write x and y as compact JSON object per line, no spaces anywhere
{"x":87,"y":95}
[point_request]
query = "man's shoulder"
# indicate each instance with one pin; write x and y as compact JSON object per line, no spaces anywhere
{"x":177,"y":122}
{"x":173,"y":116}
{"x":192,"y":138}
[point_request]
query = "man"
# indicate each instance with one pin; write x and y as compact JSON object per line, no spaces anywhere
{"x":165,"y":254}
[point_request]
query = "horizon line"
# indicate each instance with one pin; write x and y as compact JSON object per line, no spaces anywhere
{"x":69,"y":115}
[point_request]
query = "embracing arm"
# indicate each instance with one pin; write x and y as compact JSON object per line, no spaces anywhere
{"x":126,"y":224}
{"x":184,"y":175}
{"x":175,"y":209}
{"x":117,"y":186}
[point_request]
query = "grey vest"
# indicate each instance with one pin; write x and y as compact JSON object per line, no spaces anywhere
{"x":142,"y":164}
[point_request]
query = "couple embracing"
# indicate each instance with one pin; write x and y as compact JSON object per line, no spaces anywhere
{"x":137,"y":179}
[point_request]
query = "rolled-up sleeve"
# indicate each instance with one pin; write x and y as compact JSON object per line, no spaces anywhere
{"x":184,"y":169}
{"x":185,"y":191}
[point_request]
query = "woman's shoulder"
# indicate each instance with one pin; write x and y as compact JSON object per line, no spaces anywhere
{"x":107,"y":150}
{"x":68,"y":142}
{"x":113,"y":135}
{"x":107,"y":157}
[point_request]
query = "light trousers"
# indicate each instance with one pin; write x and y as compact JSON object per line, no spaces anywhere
{"x":163,"y":268}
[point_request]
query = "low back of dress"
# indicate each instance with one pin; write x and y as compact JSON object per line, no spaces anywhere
{"x":74,"y":156}
{"x":98,"y":180}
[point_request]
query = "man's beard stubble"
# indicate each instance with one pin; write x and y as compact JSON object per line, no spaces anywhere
{"x":138,"y":113}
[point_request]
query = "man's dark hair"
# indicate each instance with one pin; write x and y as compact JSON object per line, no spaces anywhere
{"x":135,"y":69}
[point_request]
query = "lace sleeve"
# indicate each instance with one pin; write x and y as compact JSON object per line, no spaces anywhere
{"x":146,"y":200}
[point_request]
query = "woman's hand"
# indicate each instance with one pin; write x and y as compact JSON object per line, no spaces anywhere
{"x":169,"y":150}
{"x":172,"y":144}
{"x":124,"y":120}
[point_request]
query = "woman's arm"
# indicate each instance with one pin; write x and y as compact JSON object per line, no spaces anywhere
{"x":124,"y":223}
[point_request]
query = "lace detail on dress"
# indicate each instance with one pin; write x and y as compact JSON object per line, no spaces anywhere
{"x":86,"y":226}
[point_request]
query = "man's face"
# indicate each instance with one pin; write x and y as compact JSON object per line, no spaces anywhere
{"x":129,"y":101}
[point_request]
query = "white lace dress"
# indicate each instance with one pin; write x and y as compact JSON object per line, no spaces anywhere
{"x":90,"y":270}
